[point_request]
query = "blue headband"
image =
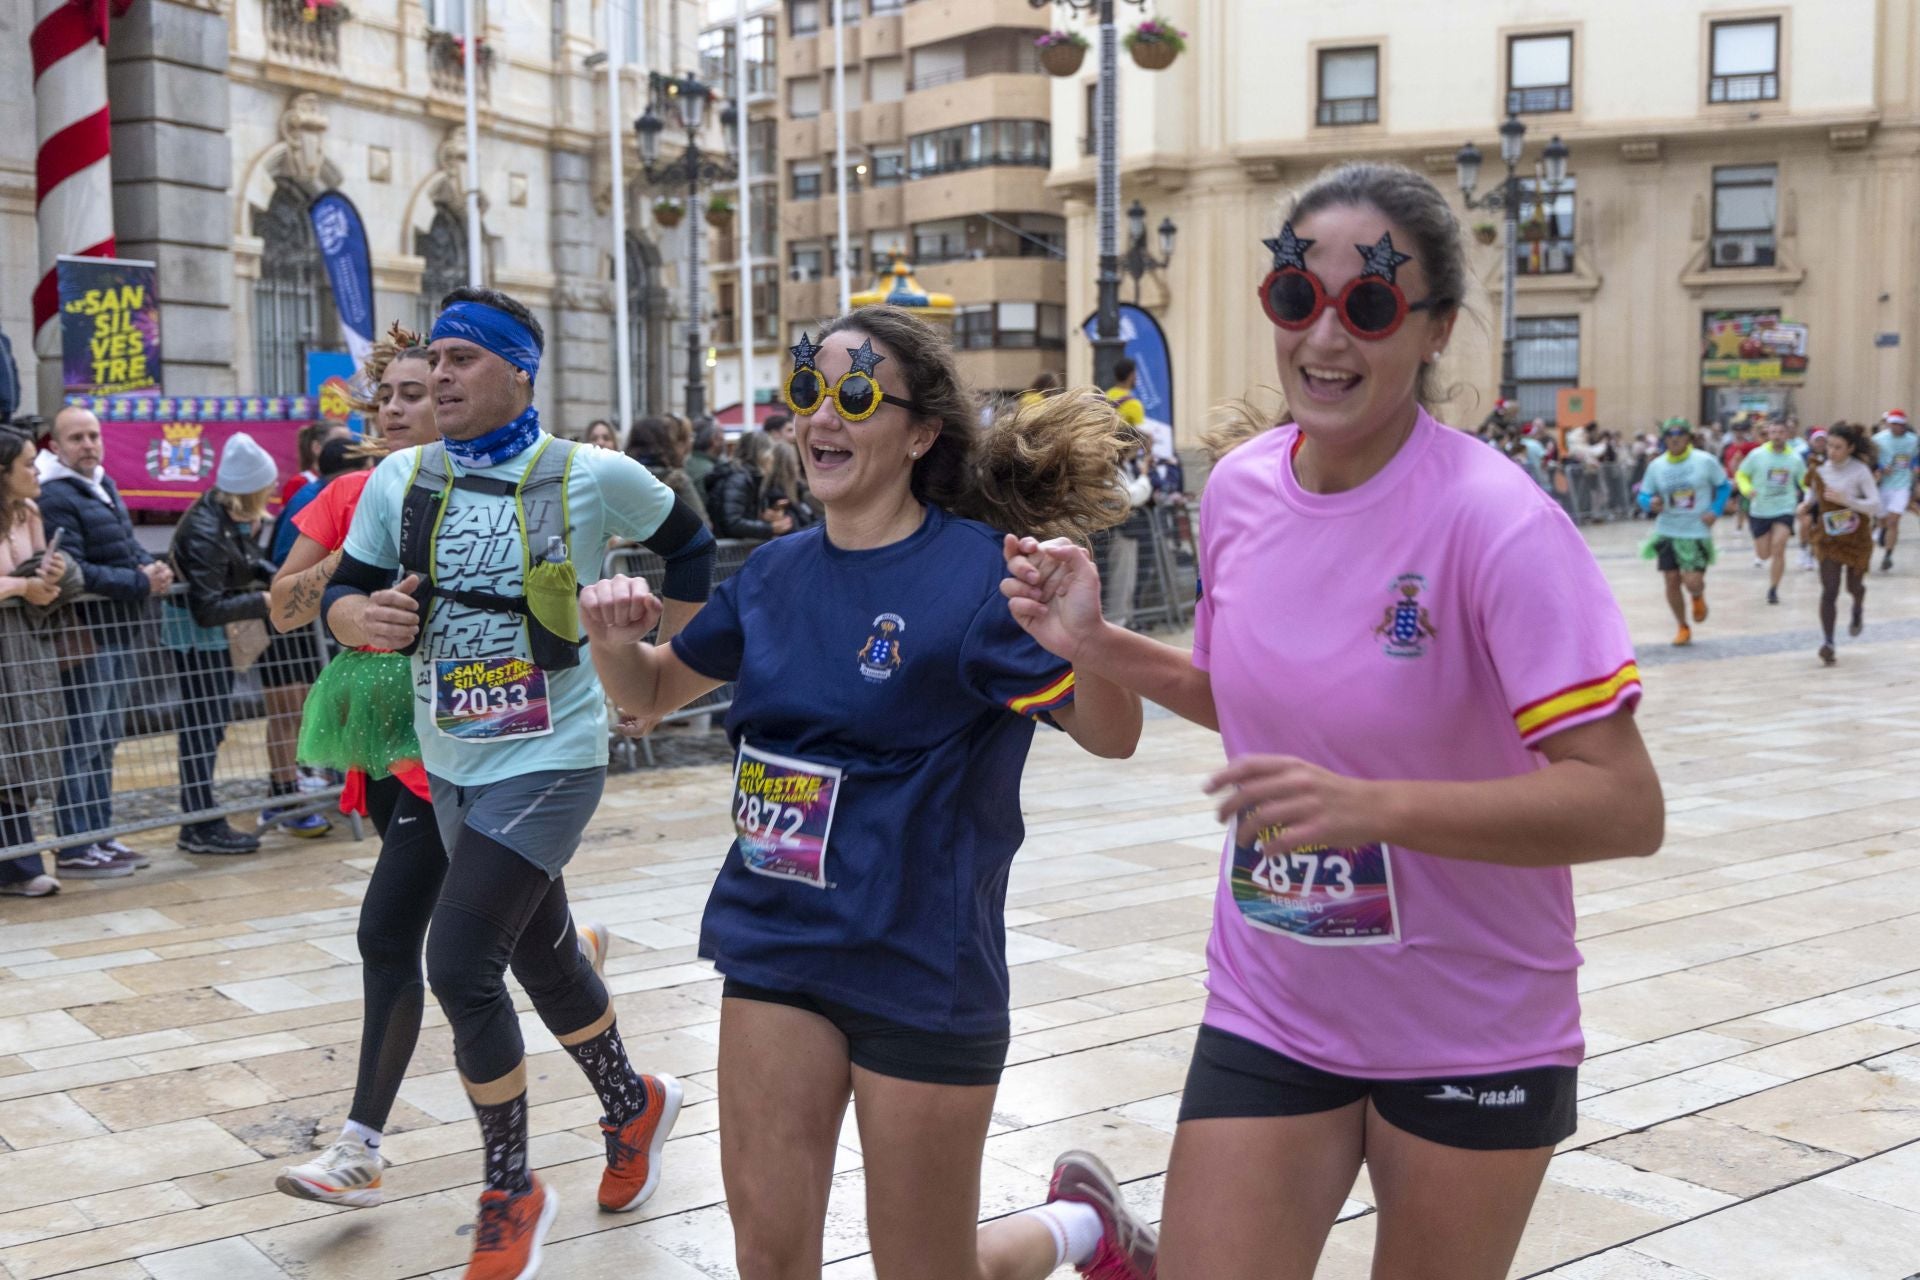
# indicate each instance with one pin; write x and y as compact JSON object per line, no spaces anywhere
{"x":492,"y":329}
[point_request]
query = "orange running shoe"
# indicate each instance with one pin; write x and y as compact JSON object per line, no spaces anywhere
{"x":1700,"y":608}
{"x":1685,"y":636}
{"x":633,"y":1149}
{"x":509,"y":1233}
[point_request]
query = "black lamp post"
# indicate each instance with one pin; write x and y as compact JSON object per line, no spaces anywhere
{"x":1107,"y":344}
{"x":685,"y":99}
{"x":1548,"y":175}
{"x":1136,"y":262}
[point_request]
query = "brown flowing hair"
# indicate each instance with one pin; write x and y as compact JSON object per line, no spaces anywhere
{"x":1414,"y":205}
{"x":399,"y":344}
{"x":1049,"y":469}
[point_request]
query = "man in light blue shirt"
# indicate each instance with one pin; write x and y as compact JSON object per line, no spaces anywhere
{"x":495,"y":527}
{"x":1770,"y":478}
{"x":1685,"y":490}
{"x":1895,"y":446}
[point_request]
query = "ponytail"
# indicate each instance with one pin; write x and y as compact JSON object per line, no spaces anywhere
{"x":1049,"y":469}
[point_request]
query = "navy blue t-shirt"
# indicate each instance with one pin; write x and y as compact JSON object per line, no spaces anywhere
{"x":898,"y":676}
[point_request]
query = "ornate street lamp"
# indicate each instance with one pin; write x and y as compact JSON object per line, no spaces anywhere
{"x":1137,"y":262}
{"x":1505,"y":197}
{"x":684,"y":99}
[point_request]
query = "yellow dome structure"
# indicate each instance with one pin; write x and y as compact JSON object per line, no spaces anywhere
{"x":898,"y":288}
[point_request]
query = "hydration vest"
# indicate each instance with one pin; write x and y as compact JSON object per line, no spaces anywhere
{"x":549,"y":604}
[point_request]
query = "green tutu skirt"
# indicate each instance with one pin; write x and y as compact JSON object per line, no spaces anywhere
{"x":359,"y":715}
{"x":1693,"y":554}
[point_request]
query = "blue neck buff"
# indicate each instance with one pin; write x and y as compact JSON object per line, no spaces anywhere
{"x":499,"y":444}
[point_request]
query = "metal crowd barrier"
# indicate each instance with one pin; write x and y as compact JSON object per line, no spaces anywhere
{"x":639,"y":562}
{"x":103,"y":719}
{"x":1595,"y":493}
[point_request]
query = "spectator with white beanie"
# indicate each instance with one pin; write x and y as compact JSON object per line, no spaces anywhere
{"x":220,"y":626}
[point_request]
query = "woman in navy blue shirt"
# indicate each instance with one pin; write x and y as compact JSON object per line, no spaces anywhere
{"x":884,"y":708}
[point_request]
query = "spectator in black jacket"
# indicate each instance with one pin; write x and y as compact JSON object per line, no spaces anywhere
{"x":226,"y":575}
{"x":78,"y":499}
{"x":738,"y":498}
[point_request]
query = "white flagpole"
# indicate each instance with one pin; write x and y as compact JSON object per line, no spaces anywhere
{"x":616,"y":150}
{"x":744,"y":218}
{"x":475,"y":268}
{"x":840,"y":146}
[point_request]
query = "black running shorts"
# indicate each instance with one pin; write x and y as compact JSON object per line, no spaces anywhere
{"x":1232,"y":1077}
{"x":890,"y":1048}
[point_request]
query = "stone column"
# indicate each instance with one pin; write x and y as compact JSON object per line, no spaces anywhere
{"x":167,"y":81}
{"x":580,"y":352}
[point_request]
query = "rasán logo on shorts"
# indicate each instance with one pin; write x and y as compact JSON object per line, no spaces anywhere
{"x":1406,"y":625}
{"x":1514,"y":1097}
{"x":880,"y":656}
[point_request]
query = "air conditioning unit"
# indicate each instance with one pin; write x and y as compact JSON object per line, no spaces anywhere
{"x":1736,"y":253}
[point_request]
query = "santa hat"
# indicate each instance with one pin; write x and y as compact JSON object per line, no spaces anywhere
{"x":1897,"y":417}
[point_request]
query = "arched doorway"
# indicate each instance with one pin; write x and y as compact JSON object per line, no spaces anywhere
{"x":293,"y":311}
{"x":443,"y":247}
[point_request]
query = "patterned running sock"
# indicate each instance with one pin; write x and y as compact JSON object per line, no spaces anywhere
{"x":604,"y":1059}
{"x":503,"y":1128}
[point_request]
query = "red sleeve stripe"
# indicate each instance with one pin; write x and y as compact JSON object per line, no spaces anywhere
{"x":1536,"y":718}
{"x":1045,"y":699}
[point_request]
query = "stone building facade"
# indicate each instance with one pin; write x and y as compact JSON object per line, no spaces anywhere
{"x":1727,"y":159}
{"x":229,"y":115}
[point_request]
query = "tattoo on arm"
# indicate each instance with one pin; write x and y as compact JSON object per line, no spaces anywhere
{"x":303,"y":592}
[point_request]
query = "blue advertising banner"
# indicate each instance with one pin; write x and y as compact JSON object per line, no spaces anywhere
{"x":343,"y":247}
{"x":1152,"y":360}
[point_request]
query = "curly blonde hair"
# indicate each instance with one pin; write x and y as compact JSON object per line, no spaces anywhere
{"x":1049,"y":469}
{"x":399,"y":344}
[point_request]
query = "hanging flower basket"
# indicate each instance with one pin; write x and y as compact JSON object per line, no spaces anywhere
{"x":1485,"y":232}
{"x":720,"y":213}
{"x":1062,"y":52}
{"x":1155,"y":43}
{"x":668,"y":213}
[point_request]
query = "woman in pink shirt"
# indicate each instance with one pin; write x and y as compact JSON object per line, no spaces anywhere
{"x":1425,"y":690}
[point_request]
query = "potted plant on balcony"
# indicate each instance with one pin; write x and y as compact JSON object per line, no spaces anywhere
{"x":1533,"y":229}
{"x":1061,"y":52}
{"x":1485,"y":232}
{"x":720,"y":213}
{"x":668,"y":213}
{"x":1155,"y":43}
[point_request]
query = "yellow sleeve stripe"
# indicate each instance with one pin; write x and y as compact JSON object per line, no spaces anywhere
{"x":1535,"y":717}
{"x":1045,"y":698}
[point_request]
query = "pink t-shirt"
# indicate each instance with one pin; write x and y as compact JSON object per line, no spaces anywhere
{"x":1435,"y":623}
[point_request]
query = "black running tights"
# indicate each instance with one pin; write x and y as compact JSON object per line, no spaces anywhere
{"x":1830,"y":571}
{"x":498,"y":909}
{"x":393,"y":928}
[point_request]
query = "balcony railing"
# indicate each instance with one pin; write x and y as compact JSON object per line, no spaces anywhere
{"x":1336,"y":111}
{"x":1757,"y":87}
{"x":1540,"y":98}
{"x":933,"y":80}
{"x":292,"y":35}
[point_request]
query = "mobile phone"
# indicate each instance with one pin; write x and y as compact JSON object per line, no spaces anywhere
{"x":53,"y":543}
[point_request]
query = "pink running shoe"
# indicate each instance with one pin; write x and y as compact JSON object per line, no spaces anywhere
{"x":1128,"y":1247}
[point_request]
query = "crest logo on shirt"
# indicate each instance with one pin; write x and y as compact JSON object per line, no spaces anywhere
{"x":1406,"y":626}
{"x":880,"y":656}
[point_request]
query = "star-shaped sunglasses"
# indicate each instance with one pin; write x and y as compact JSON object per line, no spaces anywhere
{"x":856,"y":396}
{"x":1371,"y":305}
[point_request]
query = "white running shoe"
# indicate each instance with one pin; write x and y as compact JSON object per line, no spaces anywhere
{"x":595,"y":941}
{"x":345,"y":1173}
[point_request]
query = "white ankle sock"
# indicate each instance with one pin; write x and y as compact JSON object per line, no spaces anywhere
{"x":1075,"y":1228}
{"x":369,"y":1138}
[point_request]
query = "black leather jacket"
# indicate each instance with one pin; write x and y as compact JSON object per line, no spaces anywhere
{"x":223,"y":568}
{"x":734,"y":504}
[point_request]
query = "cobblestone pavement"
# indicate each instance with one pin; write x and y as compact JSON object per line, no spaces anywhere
{"x":1750,"y":1109}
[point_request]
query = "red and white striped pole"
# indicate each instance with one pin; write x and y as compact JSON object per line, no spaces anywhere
{"x":73,"y":181}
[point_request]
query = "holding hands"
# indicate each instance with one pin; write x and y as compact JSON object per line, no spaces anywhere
{"x":1053,"y":593}
{"x":619,"y":611}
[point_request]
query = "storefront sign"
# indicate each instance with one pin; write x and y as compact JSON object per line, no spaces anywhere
{"x":1743,"y":347}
